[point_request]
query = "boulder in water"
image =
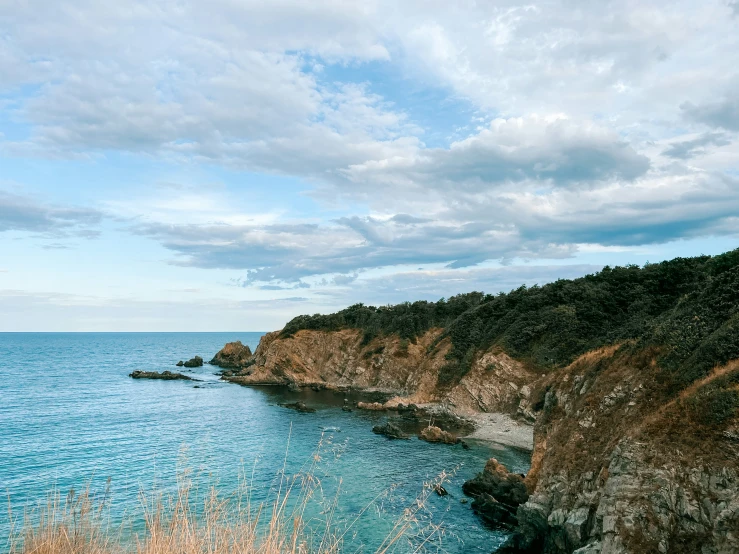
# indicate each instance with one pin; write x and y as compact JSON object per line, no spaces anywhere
{"x":197,"y":361}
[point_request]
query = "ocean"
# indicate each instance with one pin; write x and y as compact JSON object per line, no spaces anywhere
{"x":72,"y":418}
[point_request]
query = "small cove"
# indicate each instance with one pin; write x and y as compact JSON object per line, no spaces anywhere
{"x":71,"y":415}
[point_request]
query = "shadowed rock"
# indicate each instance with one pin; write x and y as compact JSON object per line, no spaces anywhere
{"x":299,"y":407}
{"x":390,"y":430}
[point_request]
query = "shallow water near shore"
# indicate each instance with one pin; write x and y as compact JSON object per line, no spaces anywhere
{"x":70,"y":415}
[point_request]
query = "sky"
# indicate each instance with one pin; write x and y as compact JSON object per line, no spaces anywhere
{"x":173,"y":165}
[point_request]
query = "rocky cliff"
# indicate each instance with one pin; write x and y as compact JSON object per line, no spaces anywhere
{"x":409,"y":370}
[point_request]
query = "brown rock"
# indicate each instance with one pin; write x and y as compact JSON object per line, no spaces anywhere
{"x":435,"y":434}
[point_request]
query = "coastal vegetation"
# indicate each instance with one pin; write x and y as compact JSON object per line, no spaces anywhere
{"x":688,"y":308}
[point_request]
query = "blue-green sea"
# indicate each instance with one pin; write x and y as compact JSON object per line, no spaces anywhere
{"x":70,"y":417}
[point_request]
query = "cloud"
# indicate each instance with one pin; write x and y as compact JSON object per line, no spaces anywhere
{"x":19,"y":213}
{"x":688,"y":149}
{"x":521,"y":220}
{"x":433,"y":284}
{"x":56,"y":311}
{"x":547,"y":149}
{"x":723,"y":113}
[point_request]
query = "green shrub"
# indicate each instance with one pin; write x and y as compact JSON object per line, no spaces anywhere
{"x":714,"y":406}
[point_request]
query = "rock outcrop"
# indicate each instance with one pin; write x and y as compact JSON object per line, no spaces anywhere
{"x":234,"y":355}
{"x":197,"y":361}
{"x":164,"y":375}
{"x":436,"y":434}
{"x":497,"y":494}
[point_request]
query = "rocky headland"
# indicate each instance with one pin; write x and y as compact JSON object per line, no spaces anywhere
{"x":624,"y":385}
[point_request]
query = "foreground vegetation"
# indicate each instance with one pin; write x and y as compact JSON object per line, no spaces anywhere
{"x":688,"y":308}
{"x":188,"y":523}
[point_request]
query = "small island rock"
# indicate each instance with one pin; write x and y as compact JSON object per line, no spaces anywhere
{"x":197,"y":361}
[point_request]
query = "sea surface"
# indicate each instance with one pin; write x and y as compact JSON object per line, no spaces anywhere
{"x":72,"y":418}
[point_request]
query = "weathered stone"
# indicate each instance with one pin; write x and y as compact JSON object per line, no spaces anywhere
{"x":197,"y":361}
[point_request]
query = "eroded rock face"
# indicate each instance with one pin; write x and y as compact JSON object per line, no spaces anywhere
{"x":233,"y":355}
{"x":435,"y":434}
{"x":164,"y":375}
{"x":338,"y":359}
{"x":615,"y":471}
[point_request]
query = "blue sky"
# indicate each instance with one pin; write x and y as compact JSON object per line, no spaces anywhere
{"x":174,"y":165}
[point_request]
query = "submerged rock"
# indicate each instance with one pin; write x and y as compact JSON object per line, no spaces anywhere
{"x":197,"y":361}
{"x":164,"y":375}
{"x":299,"y":407}
{"x":390,"y":430}
{"x":234,"y":355}
{"x":435,"y":434}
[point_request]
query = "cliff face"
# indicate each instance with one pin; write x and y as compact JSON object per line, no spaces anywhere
{"x":496,"y":383}
{"x":618,"y":466}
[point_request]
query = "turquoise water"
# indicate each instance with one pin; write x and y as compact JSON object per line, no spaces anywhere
{"x":70,"y":416}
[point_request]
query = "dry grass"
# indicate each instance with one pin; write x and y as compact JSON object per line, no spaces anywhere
{"x":182,"y":523}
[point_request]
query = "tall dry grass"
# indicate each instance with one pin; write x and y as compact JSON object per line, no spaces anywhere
{"x":187,"y":523}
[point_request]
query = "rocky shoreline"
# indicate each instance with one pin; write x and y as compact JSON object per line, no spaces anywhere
{"x":612,"y":471}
